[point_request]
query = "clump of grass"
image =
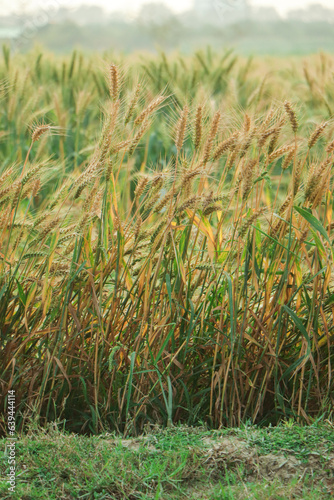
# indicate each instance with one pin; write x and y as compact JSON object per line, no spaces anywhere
{"x":151,"y":276}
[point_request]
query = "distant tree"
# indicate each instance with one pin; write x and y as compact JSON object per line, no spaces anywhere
{"x":156,"y":14}
{"x":217,"y":12}
{"x":160,"y":22}
{"x":313,"y":13}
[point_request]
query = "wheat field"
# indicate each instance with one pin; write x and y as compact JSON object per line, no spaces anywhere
{"x":166,"y":250}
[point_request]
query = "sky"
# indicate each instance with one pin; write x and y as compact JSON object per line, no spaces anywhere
{"x":132,"y":6}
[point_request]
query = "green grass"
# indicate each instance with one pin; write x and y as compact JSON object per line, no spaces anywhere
{"x":285,"y":462}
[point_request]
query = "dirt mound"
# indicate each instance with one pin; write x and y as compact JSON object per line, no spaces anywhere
{"x":234,"y":453}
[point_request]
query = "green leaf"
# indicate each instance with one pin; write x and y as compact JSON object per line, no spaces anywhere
{"x":170,"y":402}
{"x":318,"y":244}
{"x":165,"y":343}
{"x":303,"y":331}
{"x":169,"y":290}
{"x":132,"y":364}
{"x":3,"y":290}
{"x":276,"y":241}
{"x":230,"y":300}
{"x":22,"y":295}
{"x":315,"y":223}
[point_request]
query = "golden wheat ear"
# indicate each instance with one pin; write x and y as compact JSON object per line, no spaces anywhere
{"x":181,"y":129}
{"x":39,"y":131}
{"x":317,"y":134}
{"x":291,"y":115}
{"x":198,"y":126}
{"x":114,"y":82}
{"x":211,"y":137}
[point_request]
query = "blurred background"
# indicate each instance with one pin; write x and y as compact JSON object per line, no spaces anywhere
{"x":250,"y":26}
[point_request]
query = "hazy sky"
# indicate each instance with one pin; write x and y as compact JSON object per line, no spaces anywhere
{"x":282,"y":6}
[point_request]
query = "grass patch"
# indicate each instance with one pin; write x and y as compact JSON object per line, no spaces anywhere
{"x":246,"y":463}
